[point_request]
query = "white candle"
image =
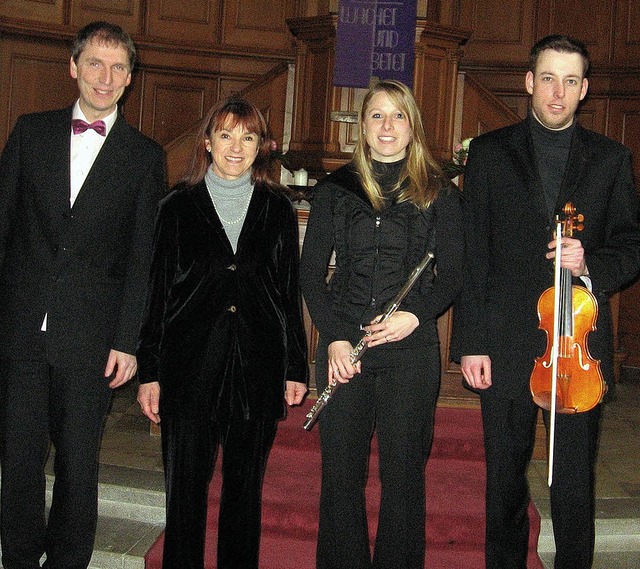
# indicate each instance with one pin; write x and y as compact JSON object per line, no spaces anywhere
{"x":300,"y":177}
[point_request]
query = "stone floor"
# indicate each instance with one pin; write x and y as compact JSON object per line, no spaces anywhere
{"x":132,"y":499}
{"x":617,"y":483}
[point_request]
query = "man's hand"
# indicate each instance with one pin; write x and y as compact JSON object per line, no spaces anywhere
{"x":476,"y":371}
{"x":149,"y":400}
{"x":123,"y":365}
{"x":572,"y":256}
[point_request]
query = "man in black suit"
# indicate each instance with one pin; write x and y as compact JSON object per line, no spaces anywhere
{"x":517,"y":179}
{"x":77,"y":206}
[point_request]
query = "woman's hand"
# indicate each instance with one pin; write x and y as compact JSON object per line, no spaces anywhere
{"x":395,"y":328}
{"x":294,"y":392}
{"x":340,"y":367}
{"x":149,"y":399}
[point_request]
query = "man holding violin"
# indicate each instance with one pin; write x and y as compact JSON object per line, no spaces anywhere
{"x":517,"y":180}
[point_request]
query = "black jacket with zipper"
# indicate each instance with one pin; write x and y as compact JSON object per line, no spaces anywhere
{"x":375,"y":251}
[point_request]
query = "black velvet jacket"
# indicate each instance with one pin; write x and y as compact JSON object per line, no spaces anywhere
{"x":223,"y":331}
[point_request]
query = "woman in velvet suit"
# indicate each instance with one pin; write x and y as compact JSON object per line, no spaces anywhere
{"x":222,"y":344}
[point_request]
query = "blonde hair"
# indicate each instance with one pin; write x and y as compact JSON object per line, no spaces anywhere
{"x":417,"y":181}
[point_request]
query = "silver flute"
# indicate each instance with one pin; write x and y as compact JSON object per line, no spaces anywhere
{"x":361,"y":347}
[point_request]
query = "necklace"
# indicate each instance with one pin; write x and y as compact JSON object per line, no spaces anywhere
{"x":240,"y":218}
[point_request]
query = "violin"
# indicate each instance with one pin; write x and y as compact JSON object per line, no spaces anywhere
{"x":566,"y":379}
{"x":567,"y":313}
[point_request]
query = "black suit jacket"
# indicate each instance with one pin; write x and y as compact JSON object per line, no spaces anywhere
{"x":86,"y":266}
{"x":224,"y":329}
{"x":508,"y":229}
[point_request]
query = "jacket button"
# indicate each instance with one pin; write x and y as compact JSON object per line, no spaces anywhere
{"x":232,"y":267}
{"x":232,"y":308}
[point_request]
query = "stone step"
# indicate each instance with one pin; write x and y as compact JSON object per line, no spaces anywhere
{"x":131,"y":507}
{"x":621,"y":534}
{"x":617,"y":543}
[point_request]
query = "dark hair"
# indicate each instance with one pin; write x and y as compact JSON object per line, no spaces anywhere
{"x":228,"y":113}
{"x":107,"y":33}
{"x":563,"y":44}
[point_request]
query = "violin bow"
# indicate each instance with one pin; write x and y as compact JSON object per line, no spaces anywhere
{"x":554,"y":350}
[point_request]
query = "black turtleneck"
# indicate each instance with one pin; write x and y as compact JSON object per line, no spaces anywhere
{"x":387,"y":175}
{"x":552,"y":152}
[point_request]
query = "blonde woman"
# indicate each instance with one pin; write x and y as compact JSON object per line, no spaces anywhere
{"x":380,"y":213}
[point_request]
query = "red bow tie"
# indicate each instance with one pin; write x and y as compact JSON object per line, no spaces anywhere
{"x":79,"y":126}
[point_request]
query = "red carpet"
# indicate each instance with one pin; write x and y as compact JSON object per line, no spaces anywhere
{"x":455,"y":498}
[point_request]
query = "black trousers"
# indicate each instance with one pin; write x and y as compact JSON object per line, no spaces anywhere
{"x":67,"y":407}
{"x":395,"y":394}
{"x":190,"y":448}
{"x":509,"y":431}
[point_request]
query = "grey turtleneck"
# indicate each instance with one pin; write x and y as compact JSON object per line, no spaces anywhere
{"x":231,"y":200}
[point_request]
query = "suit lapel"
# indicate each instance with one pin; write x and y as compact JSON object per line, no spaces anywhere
{"x":203,"y":202}
{"x":102,"y":177}
{"x":524,"y":158}
{"x":58,"y":141}
{"x":254,"y":215}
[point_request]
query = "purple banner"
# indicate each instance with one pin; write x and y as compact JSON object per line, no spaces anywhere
{"x":375,"y":38}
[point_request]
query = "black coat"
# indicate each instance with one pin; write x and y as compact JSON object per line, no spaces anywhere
{"x":85,"y":266}
{"x":221,"y":325}
{"x":508,"y":229}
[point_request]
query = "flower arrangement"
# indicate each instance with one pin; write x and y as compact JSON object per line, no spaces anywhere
{"x":460,"y":153}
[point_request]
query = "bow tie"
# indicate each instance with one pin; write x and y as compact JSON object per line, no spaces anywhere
{"x":80,"y":126}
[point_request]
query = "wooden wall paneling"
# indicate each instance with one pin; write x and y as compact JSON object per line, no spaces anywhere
{"x":593,"y":113}
{"x":435,"y":83}
{"x":314,"y":137}
{"x":503,"y":30}
{"x":627,"y":33}
{"x":35,"y":77}
{"x":624,"y":126}
{"x":268,"y":94}
{"x":131,"y":102}
{"x":257,"y":24}
{"x":587,"y":20}
{"x":49,"y":12}
{"x":351,"y":99}
{"x":124,"y":13}
{"x":195,"y":21}
{"x":629,"y":326}
{"x":483,"y":111}
{"x":228,"y":86}
{"x":172,"y":104}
